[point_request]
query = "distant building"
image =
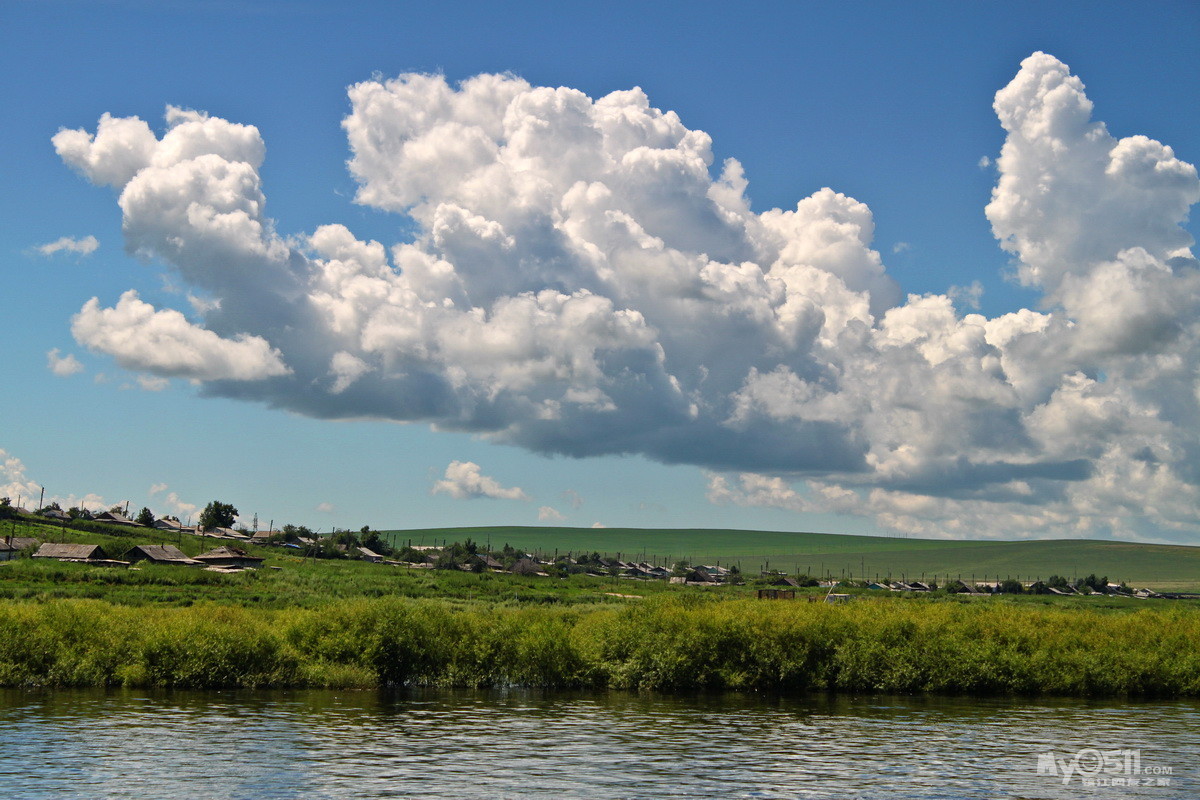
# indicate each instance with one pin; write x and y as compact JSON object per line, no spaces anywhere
{"x":71,"y":552}
{"x":10,"y":547}
{"x":230,"y":557}
{"x":115,"y":518}
{"x":369,"y":555}
{"x":160,"y":554}
{"x":173,"y":525}
{"x":701,"y":575}
{"x":224,"y":533}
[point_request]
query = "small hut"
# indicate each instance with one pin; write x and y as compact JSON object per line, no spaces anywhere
{"x":115,"y":518}
{"x":230,"y":557}
{"x":71,"y":552}
{"x":160,"y":554}
{"x":11,"y":546}
{"x":367,"y":554}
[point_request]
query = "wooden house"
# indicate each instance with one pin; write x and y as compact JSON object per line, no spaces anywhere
{"x":160,"y":554}
{"x":11,"y":546}
{"x":71,"y":552}
{"x":173,"y":525}
{"x":230,"y":557}
{"x":701,"y":575}
{"x":115,"y":518}
{"x":224,"y":533}
{"x":369,"y":555}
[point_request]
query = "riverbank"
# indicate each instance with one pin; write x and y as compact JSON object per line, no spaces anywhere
{"x":666,"y":643}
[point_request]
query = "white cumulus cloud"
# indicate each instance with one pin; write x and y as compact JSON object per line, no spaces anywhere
{"x":550,"y":514}
{"x":585,"y":280}
{"x":166,"y":344}
{"x":63,"y":366}
{"x":179,"y":507}
{"x":81,"y":247}
{"x":464,"y":480}
{"x":20,"y":489}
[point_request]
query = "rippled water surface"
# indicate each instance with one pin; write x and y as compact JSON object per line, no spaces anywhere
{"x":518,"y":744}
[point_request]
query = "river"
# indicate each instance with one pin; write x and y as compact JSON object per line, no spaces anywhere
{"x":606,"y":746}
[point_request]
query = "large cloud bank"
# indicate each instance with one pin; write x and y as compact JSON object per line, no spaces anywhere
{"x":581,"y":284}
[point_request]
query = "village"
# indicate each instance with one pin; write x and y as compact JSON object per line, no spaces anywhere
{"x":229,"y":555}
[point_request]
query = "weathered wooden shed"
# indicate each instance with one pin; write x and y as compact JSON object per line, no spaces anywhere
{"x":230,"y":557}
{"x":115,"y":518}
{"x":11,"y":546}
{"x":71,"y":552}
{"x":160,"y":554}
{"x":366,"y":554}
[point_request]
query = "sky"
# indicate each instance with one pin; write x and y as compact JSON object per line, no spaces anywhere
{"x":894,"y":268}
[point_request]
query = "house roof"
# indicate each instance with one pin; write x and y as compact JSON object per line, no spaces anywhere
{"x":17,"y":542}
{"x":701,"y":576}
{"x":225,"y":552}
{"x":112,"y":516}
{"x":79,"y":551}
{"x":369,"y":553}
{"x":227,"y":532}
{"x":159,"y":552}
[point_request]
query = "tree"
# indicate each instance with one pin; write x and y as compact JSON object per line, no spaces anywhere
{"x":145,"y":517}
{"x":373,"y":541}
{"x":217,"y":515}
{"x":1011,"y":586}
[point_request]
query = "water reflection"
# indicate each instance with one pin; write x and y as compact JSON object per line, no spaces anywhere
{"x":607,"y":746}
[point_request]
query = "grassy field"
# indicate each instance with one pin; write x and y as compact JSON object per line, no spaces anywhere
{"x":1161,"y":567}
{"x":350,"y":624}
{"x":300,"y":581}
{"x":668,"y":643}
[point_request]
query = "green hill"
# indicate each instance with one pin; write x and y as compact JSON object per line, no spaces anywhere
{"x":1168,"y":567}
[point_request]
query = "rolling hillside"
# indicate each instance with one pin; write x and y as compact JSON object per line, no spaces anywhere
{"x":1166,"y":567}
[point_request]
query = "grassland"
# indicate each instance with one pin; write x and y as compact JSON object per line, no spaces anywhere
{"x":667,"y":643}
{"x":308,"y":623}
{"x":1159,"y":567}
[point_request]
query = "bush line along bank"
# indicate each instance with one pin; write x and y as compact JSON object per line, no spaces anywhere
{"x":669,"y":644}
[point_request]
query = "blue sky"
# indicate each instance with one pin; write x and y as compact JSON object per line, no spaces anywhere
{"x":890,"y":104}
